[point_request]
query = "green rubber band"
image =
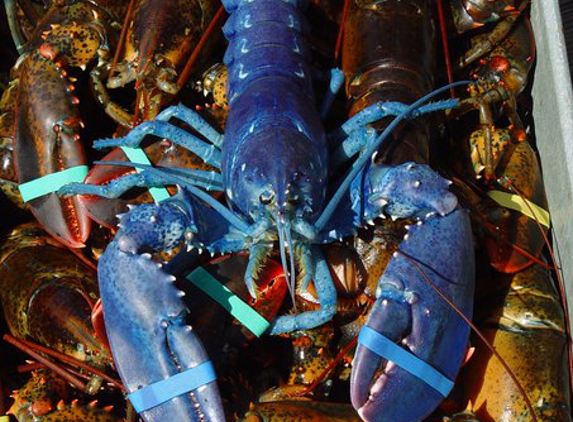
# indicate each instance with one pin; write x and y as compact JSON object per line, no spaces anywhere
{"x":523,"y":205}
{"x":246,"y":315}
{"x":50,"y":183}
{"x":136,"y":155}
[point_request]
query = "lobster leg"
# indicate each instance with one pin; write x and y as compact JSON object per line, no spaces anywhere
{"x":408,"y":311}
{"x":207,"y":152}
{"x":484,"y":43}
{"x":353,"y":135}
{"x":194,"y":120}
{"x":352,"y":146}
{"x":336,"y":82}
{"x":114,"y":110}
{"x":257,"y":255}
{"x":326,"y":291}
{"x":17,"y":35}
{"x":145,"y":179}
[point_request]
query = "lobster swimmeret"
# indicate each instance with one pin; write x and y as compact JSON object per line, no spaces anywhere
{"x":272,"y":114}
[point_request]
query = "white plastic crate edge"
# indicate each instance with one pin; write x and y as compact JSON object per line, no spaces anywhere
{"x":553,"y":114}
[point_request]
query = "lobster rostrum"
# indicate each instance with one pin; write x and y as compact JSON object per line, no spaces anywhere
{"x":272,"y":113}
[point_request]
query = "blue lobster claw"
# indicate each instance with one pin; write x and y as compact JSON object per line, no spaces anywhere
{"x":145,"y":321}
{"x":414,"y":343}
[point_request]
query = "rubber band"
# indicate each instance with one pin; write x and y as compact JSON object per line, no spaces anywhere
{"x":159,"y":392}
{"x":4,"y":418}
{"x":246,"y":315}
{"x":137,"y":155}
{"x":523,"y":205}
{"x":50,"y":183}
{"x":387,"y":349}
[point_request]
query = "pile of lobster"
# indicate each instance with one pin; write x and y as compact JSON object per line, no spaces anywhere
{"x":304,"y":219}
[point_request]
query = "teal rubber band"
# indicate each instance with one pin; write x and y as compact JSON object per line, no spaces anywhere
{"x":136,"y":155}
{"x":387,"y":349}
{"x":153,"y":395}
{"x":246,"y":315}
{"x":50,"y":183}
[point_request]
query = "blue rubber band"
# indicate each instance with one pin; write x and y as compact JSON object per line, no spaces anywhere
{"x":136,"y":155}
{"x":387,"y":349}
{"x":153,"y":395}
{"x":246,"y":315}
{"x":50,"y":183}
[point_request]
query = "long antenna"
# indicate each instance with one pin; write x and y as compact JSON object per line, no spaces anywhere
{"x":341,"y":30}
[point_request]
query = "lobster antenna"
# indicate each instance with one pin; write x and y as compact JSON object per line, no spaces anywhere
{"x":493,"y":232}
{"x":122,"y":37}
{"x":32,"y":349}
{"x":213,"y":179}
{"x":329,"y":368}
{"x":560,"y":284}
{"x":288,"y":232}
{"x":226,"y":213}
{"x":186,"y":72}
{"x":492,"y":349}
{"x":365,"y":156}
{"x":492,"y":229}
{"x":445,"y":45}
{"x":341,"y":30}
{"x":282,"y":249}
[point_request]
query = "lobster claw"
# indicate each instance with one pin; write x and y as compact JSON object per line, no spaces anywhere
{"x":412,"y":322}
{"x":145,"y":315}
{"x":47,"y":142}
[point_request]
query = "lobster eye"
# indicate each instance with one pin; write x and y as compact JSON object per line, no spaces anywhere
{"x":266,"y":197}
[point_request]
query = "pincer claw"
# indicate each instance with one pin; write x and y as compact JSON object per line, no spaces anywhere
{"x":414,"y":342}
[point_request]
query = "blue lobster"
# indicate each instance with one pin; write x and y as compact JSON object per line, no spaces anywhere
{"x":274,"y":164}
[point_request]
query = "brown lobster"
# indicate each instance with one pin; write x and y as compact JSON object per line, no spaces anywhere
{"x":41,"y":123}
